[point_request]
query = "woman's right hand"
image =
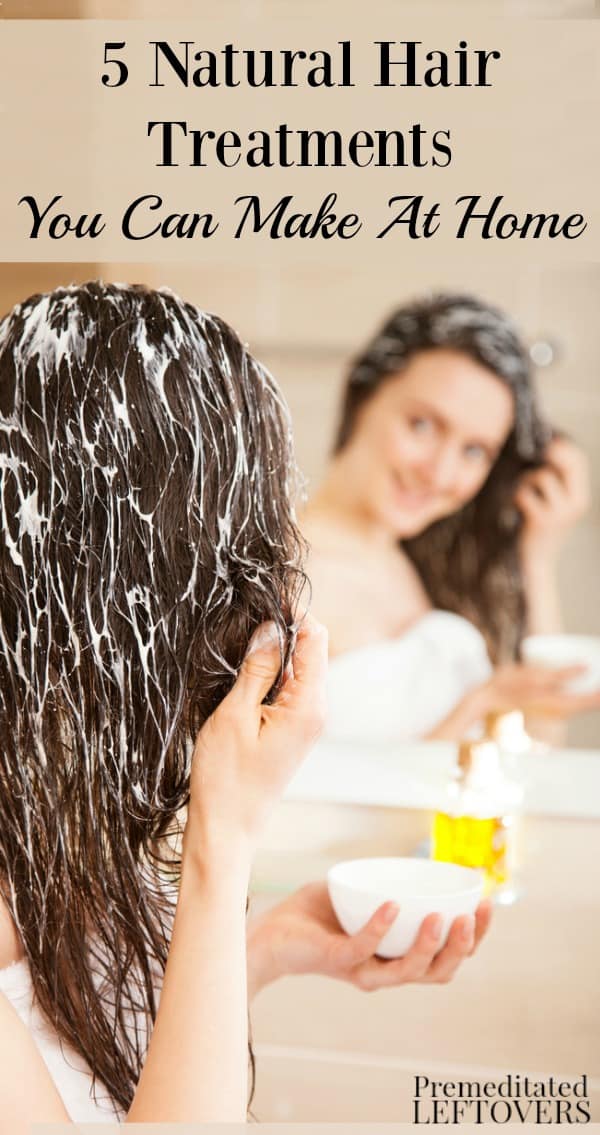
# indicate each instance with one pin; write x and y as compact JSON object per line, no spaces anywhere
{"x":246,"y":752}
{"x":537,"y":690}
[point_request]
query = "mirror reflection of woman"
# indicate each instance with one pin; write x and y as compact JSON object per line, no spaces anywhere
{"x":436,"y":533}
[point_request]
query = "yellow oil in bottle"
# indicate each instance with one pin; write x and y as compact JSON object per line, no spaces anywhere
{"x":474,"y":842}
{"x":476,"y":828}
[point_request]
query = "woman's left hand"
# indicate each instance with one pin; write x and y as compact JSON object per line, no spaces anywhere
{"x":302,"y":935}
{"x":553,"y":498}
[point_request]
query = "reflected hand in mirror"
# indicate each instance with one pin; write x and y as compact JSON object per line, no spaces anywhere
{"x":552,"y":499}
{"x":541,"y":693}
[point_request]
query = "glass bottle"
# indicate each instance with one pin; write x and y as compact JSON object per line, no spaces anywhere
{"x":475,"y":825}
{"x":508,"y":730}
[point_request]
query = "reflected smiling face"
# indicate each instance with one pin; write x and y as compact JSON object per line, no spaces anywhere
{"x":424,"y":443}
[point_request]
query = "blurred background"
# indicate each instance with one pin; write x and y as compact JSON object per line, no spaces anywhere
{"x":305,"y":324}
{"x":189,"y":9}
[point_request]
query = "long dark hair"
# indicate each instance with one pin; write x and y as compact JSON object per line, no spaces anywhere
{"x":468,"y":561}
{"x":146,"y":481}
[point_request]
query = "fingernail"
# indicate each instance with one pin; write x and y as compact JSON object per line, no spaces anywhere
{"x":468,"y":929}
{"x":390,"y":911}
{"x":436,"y":927}
{"x":265,"y":637}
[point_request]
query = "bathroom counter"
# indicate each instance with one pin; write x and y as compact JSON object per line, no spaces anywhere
{"x":560,"y":782}
{"x":528,"y":1002}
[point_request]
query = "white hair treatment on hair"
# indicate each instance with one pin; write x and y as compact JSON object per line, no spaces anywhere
{"x":146,"y":488}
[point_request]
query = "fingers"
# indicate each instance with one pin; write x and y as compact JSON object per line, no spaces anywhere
{"x":546,"y":690}
{"x":570,"y":463}
{"x":542,"y":497}
{"x":560,"y":488}
{"x":567,"y":705}
{"x":360,"y":947}
{"x":460,"y":944}
{"x":304,"y":691}
{"x":540,"y":678}
{"x":547,"y":485}
{"x":424,"y":962}
{"x":521,"y":683}
{"x":529,"y":503}
{"x":310,"y":655}
{"x":304,"y":687}
{"x":483,"y":917}
{"x":415,"y":965}
{"x":260,"y":666}
{"x":376,"y":973}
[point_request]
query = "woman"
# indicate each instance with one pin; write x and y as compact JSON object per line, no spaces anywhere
{"x":438,"y":526}
{"x":146,"y":489}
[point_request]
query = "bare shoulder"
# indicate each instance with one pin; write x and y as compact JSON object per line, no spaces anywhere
{"x":20,"y":1059}
{"x":21,"y":1063}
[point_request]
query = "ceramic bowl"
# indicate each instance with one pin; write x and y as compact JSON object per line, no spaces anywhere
{"x":419,"y":886}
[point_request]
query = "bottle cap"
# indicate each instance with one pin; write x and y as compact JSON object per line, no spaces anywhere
{"x":479,"y":763}
{"x":508,"y":730}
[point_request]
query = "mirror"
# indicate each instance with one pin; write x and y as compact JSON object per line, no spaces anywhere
{"x":306,"y":325}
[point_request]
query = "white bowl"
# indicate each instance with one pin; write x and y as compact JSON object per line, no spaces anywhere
{"x":419,"y":886}
{"x":558,"y":650}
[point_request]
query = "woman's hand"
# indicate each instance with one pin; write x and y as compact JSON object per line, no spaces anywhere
{"x":537,"y":690}
{"x":246,"y":752}
{"x":302,"y":935}
{"x":552,"y":499}
{"x":196,"y":1068}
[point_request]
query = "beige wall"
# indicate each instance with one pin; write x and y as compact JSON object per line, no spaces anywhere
{"x":191,"y":9}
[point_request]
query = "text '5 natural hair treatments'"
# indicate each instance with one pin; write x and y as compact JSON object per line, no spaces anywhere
{"x":146,"y":482}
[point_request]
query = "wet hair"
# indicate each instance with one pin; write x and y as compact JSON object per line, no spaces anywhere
{"x":146,"y":488}
{"x":468,"y":561}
